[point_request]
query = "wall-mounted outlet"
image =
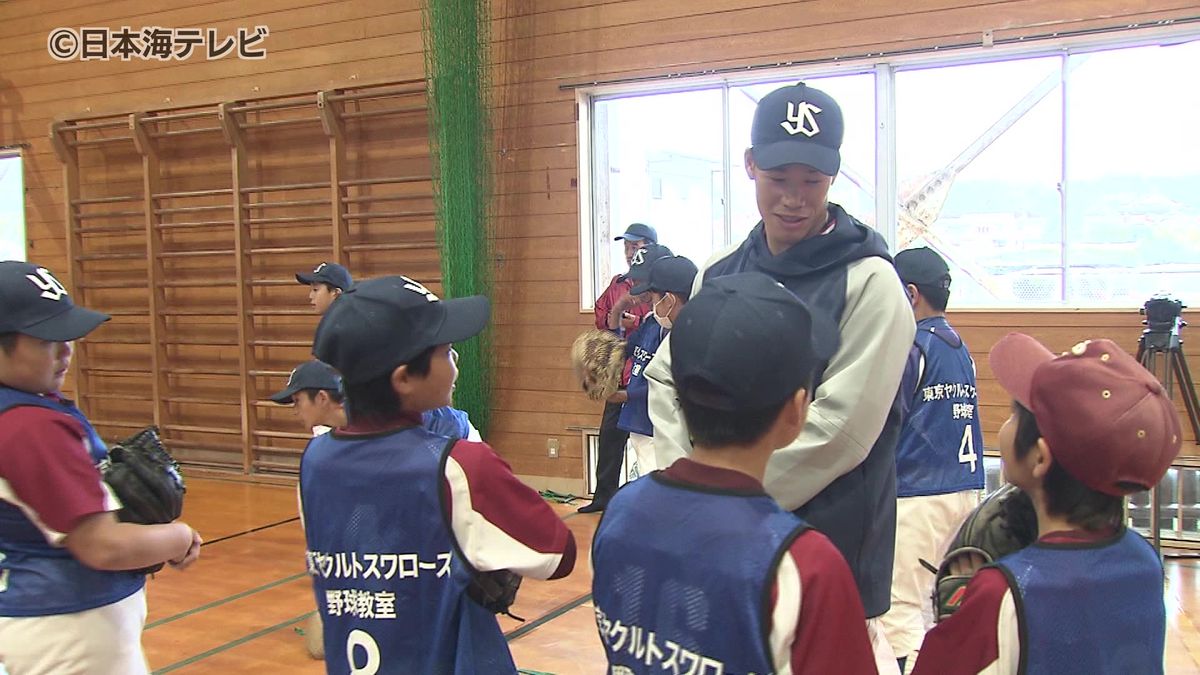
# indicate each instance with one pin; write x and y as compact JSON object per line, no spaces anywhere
{"x":552,"y":447}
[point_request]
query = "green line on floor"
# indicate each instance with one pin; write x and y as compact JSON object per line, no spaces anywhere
{"x":229,"y":645}
{"x":222,"y":601}
{"x":553,"y":614}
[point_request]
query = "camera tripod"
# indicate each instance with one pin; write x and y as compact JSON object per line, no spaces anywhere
{"x":1161,"y":353}
{"x":1174,"y":367}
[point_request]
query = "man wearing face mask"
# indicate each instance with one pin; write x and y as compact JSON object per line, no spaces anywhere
{"x":668,"y":280}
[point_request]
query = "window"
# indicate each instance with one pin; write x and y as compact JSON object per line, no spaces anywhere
{"x":1064,"y":178}
{"x":658,"y":161}
{"x":12,"y":208}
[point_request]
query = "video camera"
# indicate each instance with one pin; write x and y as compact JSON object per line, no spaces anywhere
{"x":1163,"y":314}
{"x":1163,"y":321}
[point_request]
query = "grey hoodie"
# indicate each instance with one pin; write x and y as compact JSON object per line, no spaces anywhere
{"x":840,"y":473}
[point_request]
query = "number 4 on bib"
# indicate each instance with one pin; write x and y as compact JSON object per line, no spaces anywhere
{"x":966,"y":449}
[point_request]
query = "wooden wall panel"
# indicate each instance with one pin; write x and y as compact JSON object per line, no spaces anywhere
{"x":537,"y":48}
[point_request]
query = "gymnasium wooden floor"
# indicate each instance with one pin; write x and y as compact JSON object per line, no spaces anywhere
{"x":242,"y":607}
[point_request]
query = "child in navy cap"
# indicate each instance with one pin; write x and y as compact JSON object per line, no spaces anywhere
{"x":314,"y":389}
{"x":398,"y":519}
{"x":668,"y":281}
{"x":66,"y":604}
{"x":326,"y":282}
{"x":696,"y":564}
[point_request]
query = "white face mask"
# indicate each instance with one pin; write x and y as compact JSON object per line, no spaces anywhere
{"x":663,"y":319}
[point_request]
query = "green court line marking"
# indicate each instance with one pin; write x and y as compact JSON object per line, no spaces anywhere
{"x":513,"y":635}
{"x":222,"y":601}
{"x":553,"y":614}
{"x":230,"y":645}
{"x":252,"y":530}
{"x":252,"y":591}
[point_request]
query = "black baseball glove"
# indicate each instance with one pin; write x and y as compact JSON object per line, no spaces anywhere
{"x":1003,"y":523}
{"x":147,"y":481}
{"x":495,"y":591}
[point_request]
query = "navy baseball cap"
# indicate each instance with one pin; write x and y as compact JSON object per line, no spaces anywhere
{"x":638,"y":232}
{"x":328,"y":273}
{"x":798,"y":124}
{"x":672,"y":274}
{"x":308,"y":375}
{"x":744,"y":342}
{"x":33,"y":302}
{"x":380,"y":324}
{"x":922,"y":267}
{"x":639,"y":267}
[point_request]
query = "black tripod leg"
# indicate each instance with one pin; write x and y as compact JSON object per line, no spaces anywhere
{"x":1189,"y":393}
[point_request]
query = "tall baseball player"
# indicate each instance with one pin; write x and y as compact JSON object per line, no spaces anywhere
{"x":840,"y":472}
{"x":939,"y":460}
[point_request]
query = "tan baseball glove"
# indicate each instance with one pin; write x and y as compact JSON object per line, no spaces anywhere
{"x":598,"y":358}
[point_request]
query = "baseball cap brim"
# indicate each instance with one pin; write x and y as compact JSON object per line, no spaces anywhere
{"x":630,"y":237}
{"x":1014,"y":360}
{"x":285,"y":397}
{"x":306,"y":278}
{"x":66,"y":326}
{"x":465,"y":318}
{"x":774,"y":155}
{"x":641,"y":287}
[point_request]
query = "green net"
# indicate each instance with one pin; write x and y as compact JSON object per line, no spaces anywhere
{"x":456,"y":41}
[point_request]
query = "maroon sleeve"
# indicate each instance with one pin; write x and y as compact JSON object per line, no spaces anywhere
{"x":967,"y":642}
{"x":48,"y":469}
{"x":498,"y":521}
{"x":831,"y":635}
{"x":605,"y":302}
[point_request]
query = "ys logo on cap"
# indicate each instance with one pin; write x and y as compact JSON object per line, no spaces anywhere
{"x":639,"y":257}
{"x":801,"y":119}
{"x":318,"y":268}
{"x":52,"y":289}
{"x":416,"y":287}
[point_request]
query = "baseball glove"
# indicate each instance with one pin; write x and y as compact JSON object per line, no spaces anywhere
{"x":1003,"y":523}
{"x":146,"y":480}
{"x":598,"y":357}
{"x":495,"y":591}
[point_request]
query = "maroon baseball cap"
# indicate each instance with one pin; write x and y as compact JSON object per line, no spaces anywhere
{"x":1108,"y":421}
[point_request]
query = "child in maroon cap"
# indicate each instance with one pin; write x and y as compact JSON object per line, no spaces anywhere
{"x":1088,"y":427}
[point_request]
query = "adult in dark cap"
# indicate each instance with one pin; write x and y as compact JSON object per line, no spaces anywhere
{"x":839,"y":473}
{"x":621,"y":312}
{"x":939,"y":459}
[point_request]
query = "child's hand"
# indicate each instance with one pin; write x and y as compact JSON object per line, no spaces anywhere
{"x":628,"y":321}
{"x":192,"y":554}
{"x":966,"y":564}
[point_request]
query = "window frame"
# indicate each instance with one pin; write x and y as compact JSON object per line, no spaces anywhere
{"x":18,"y":151}
{"x":884,"y":68}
